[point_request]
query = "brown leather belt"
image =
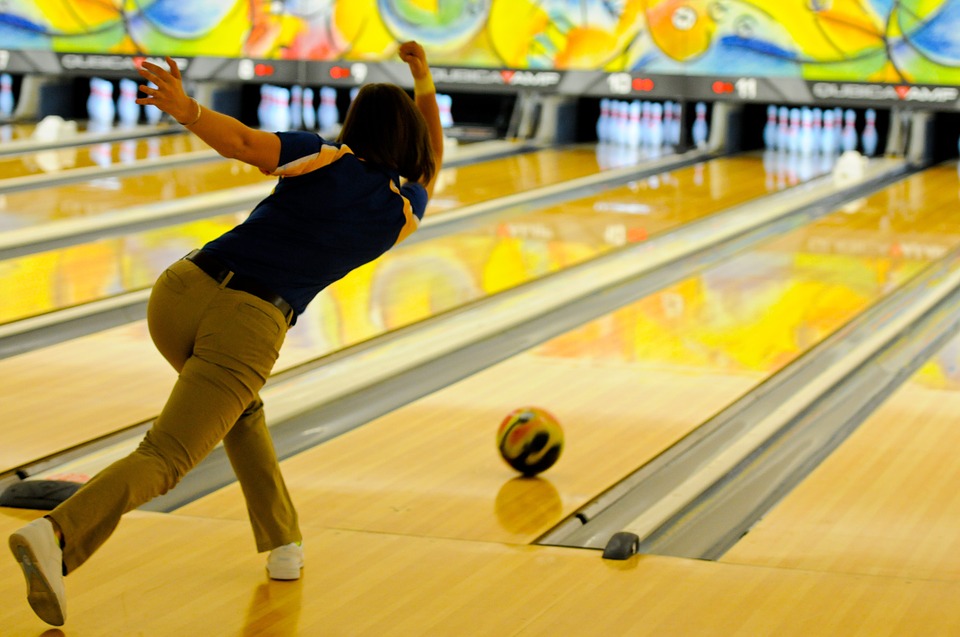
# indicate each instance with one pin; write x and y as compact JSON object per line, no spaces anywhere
{"x":219,"y":272}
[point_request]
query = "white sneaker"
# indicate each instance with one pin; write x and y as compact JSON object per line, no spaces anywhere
{"x":285,"y":562}
{"x":36,"y":548}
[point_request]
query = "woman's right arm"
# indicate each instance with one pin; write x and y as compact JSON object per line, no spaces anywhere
{"x":226,"y":135}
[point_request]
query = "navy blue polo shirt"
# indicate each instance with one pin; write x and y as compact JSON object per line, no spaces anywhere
{"x":329,"y":214}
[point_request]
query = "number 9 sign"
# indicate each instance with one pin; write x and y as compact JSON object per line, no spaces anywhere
{"x":358,"y":71}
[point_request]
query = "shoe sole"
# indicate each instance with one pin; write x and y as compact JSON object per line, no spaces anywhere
{"x":43,"y":600}
{"x":284,"y":575}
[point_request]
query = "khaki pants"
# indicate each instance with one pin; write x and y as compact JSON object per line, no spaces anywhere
{"x":224,"y":344}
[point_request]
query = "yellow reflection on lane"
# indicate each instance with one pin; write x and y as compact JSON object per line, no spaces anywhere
{"x":413,"y":281}
{"x":53,"y":280}
{"x":759,"y":311}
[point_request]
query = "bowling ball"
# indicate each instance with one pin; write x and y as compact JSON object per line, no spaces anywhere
{"x":530,"y":440}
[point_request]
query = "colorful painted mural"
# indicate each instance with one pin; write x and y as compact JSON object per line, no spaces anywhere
{"x":915,"y":41}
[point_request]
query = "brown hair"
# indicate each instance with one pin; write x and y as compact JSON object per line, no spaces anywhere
{"x":385,"y":127}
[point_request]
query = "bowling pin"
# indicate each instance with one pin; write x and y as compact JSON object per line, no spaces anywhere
{"x":445,"y":105}
{"x":282,"y":109}
{"x":263,"y":108}
{"x":309,"y":115}
{"x":296,"y":107}
{"x":770,"y":130}
{"x":609,"y":129}
{"x":448,"y":112}
{"x":624,"y":132}
{"x":828,"y":143}
{"x":700,"y":129}
{"x":109,"y":108}
{"x":793,"y":141}
{"x":645,"y":122}
{"x":817,"y":128}
{"x":806,"y":131}
{"x":6,"y":96}
{"x":869,"y":138}
{"x":656,"y":126}
{"x":668,"y":123}
{"x":603,"y":121}
{"x":127,"y":107}
{"x":849,"y":136}
{"x":327,"y":114}
{"x":838,"y":124}
{"x":101,"y":110}
{"x":783,"y":128}
{"x":618,"y":126}
{"x":634,"y":130}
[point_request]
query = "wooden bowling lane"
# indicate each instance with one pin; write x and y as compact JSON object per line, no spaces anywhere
{"x":107,"y":154}
{"x":625,"y":386}
{"x":377,"y":585}
{"x":412,"y":282}
{"x":886,"y":502}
